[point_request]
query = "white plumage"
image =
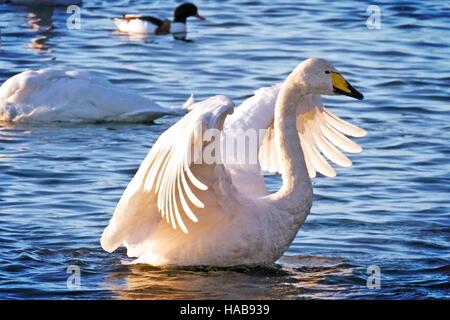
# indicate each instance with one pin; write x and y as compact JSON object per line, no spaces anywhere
{"x":137,"y":26}
{"x":62,"y":95}
{"x":320,"y":132}
{"x":178,"y":210}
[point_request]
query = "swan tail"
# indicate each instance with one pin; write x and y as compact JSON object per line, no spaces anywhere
{"x":187,"y":105}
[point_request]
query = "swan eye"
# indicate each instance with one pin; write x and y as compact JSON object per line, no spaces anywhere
{"x":327,"y":72}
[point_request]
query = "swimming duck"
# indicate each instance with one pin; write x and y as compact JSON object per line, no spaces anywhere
{"x":203,"y":208}
{"x":139,"y":24}
{"x":59,"y":95}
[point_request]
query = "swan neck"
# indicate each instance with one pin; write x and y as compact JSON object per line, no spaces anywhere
{"x":296,"y":181}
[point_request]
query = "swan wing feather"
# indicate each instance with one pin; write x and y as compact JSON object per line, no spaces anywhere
{"x":165,"y":186}
{"x":321,"y":133}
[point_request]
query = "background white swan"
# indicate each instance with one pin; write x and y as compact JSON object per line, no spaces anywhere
{"x":55,"y":94}
{"x":177,"y":211}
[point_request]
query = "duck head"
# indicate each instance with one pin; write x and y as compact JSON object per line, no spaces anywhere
{"x":184,"y":11}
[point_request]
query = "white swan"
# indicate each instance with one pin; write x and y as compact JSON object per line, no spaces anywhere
{"x":178,"y":210}
{"x":62,"y":95}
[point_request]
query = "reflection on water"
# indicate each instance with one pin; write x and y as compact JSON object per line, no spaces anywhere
{"x":294,"y":278}
{"x":40,"y":20}
{"x":129,"y":37}
{"x":144,"y":283}
{"x":39,"y":43}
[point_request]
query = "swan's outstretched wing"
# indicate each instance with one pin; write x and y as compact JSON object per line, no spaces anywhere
{"x":251,"y":118}
{"x":165,"y":186}
{"x":321,"y":133}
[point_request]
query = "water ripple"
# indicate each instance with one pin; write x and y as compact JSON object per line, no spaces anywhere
{"x":59,"y":183}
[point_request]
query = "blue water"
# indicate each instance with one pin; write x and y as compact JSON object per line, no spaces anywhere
{"x":60,"y":183}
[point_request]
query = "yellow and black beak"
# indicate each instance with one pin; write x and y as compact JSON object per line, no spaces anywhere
{"x":341,"y":86}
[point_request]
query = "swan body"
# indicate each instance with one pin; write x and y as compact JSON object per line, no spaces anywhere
{"x":58,"y":95}
{"x":183,"y":209}
{"x":141,"y":24}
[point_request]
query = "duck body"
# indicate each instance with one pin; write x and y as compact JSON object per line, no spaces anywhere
{"x":59,"y":95}
{"x":142,"y":24}
{"x":184,"y":209}
{"x":150,"y":25}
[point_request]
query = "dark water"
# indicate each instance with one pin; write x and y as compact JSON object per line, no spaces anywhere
{"x":59,"y":183}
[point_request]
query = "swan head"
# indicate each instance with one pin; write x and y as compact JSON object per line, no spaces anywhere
{"x":318,"y":76}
